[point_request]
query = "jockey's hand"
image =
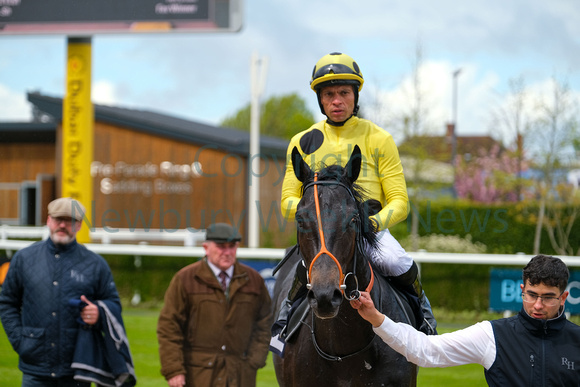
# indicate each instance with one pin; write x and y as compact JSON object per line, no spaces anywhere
{"x":366,"y":309}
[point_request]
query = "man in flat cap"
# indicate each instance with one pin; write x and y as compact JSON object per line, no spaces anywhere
{"x":50,"y":287}
{"x":214,"y":328}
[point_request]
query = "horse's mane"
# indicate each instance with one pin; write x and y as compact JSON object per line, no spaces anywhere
{"x":337,"y":172}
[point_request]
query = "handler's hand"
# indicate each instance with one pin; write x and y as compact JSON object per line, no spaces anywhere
{"x":366,"y":309}
{"x":90,"y":313}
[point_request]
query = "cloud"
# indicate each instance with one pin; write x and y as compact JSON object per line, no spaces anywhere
{"x":104,"y":93}
{"x":206,"y":77}
{"x":431,"y":95}
{"x":14,"y":106}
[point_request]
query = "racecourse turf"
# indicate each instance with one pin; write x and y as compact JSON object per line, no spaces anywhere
{"x":141,"y":323}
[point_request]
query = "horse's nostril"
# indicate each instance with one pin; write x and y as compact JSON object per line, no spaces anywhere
{"x":311,"y":298}
{"x":337,"y":298}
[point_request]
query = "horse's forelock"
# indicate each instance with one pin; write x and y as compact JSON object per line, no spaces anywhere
{"x":336,"y":172}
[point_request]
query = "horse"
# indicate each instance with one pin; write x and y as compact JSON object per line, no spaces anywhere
{"x":334,"y":345}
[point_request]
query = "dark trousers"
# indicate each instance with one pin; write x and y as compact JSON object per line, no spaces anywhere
{"x":46,"y":381}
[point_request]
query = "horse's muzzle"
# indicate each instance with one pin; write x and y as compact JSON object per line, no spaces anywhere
{"x":325,"y":302}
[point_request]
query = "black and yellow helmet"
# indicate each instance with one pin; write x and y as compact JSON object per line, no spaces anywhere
{"x":336,"y":69}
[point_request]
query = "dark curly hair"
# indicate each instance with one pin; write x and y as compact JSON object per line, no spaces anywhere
{"x":547,"y":270}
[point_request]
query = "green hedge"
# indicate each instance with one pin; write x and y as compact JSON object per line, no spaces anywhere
{"x":504,"y":229}
{"x":151,"y":278}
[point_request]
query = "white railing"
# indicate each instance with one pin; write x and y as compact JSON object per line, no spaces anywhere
{"x":186,"y":237}
{"x":276,"y":254}
{"x":19,"y":232}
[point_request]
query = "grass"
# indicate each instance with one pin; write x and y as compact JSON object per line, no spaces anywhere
{"x":141,"y":324}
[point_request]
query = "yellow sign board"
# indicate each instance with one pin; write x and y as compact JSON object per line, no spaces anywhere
{"x":77,"y":130}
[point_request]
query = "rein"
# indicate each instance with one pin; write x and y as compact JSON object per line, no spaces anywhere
{"x":355,"y":294}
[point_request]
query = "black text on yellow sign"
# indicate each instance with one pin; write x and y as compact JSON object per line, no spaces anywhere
{"x":77,"y":138}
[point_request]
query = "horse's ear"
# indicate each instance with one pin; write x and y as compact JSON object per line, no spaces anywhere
{"x":353,"y":166}
{"x":301,"y":169}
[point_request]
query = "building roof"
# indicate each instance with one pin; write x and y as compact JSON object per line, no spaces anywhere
{"x":146,"y":121}
{"x":30,"y":132}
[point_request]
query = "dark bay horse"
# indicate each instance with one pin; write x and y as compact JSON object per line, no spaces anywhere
{"x":335,"y":346}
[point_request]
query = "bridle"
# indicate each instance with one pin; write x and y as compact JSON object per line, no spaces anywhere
{"x":355,"y":294}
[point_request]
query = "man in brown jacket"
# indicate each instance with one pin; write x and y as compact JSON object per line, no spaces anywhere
{"x":214,"y":331}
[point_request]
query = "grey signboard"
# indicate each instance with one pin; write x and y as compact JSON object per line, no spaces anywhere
{"x":118,"y":16}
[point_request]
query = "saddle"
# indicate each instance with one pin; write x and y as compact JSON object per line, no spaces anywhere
{"x":297,"y":315}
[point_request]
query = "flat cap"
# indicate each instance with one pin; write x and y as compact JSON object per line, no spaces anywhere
{"x":222,"y":232}
{"x":66,"y":207}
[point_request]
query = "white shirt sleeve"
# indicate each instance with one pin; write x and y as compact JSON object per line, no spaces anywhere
{"x":472,"y":345}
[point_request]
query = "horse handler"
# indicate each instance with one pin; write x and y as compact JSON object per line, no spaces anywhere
{"x":537,"y":347}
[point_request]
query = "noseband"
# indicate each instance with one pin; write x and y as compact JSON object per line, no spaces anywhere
{"x":355,"y":294}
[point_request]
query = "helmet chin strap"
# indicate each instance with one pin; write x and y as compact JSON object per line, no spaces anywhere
{"x":333,"y":123}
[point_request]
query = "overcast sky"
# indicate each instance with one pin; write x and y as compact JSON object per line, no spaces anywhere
{"x":206,"y":77}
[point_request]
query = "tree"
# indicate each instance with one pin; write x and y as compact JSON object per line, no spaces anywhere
{"x":415,"y":124}
{"x":281,"y":116}
{"x":554,"y":132}
{"x":560,"y":218}
{"x":491,"y":176}
{"x":514,"y":119}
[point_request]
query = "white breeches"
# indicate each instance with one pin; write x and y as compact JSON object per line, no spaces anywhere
{"x":390,"y":257}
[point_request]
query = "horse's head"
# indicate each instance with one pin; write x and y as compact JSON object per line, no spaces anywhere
{"x":331,"y":220}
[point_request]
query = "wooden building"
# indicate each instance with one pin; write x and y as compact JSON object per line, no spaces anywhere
{"x":150,"y":171}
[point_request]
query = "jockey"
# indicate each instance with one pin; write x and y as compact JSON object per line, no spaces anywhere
{"x":337,"y":81}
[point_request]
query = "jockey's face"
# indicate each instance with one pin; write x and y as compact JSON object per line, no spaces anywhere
{"x":338,"y":102}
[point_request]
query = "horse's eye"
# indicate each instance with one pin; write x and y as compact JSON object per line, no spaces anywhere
{"x":300,"y":221}
{"x":299,"y":216}
{"x":354,"y":221}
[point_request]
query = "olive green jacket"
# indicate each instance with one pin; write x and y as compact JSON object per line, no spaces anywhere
{"x":211,"y":336}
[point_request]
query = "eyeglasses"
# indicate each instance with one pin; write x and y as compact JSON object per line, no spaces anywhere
{"x":58,"y":220}
{"x":546,"y":300}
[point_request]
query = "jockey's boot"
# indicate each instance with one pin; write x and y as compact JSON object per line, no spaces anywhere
{"x":429,"y":325}
{"x":296,"y":290}
{"x":411,"y":277}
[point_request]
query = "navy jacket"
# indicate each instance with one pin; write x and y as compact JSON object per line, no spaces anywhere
{"x":532,"y":352}
{"x":34,"y":303}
